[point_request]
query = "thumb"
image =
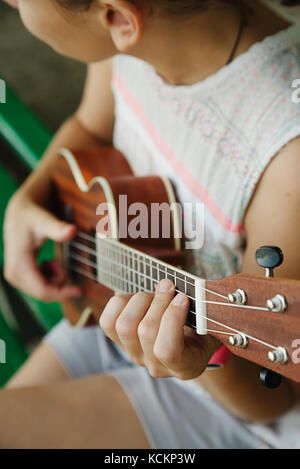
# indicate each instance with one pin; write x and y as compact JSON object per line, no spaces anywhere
{"x":48,"y":226}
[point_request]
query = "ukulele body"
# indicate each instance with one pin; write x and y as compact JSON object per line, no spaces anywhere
{"x":83,"y":182}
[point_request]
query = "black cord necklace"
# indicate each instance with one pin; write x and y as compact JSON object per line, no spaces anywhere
{"x":243,"y":23}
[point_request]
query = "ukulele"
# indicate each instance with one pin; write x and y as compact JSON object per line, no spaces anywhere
{"x":257,"y":318}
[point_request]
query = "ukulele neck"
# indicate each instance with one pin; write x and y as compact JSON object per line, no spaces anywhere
{"x":124,"y":269}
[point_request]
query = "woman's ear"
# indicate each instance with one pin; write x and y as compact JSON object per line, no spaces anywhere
{"x":124,"y":21}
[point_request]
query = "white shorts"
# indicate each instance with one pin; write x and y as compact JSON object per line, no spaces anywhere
{"x":173,"y":413}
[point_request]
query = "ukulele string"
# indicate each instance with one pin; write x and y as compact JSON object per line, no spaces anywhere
{"x":94,"y":253}
{"x":255,"y":339}
{"x":89,"y":263}
{"x":112,"y":275}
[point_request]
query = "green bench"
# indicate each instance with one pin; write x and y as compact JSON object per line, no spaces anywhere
{"x":26,"y":138}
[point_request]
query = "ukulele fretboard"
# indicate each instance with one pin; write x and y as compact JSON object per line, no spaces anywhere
{"x":127,"y":270}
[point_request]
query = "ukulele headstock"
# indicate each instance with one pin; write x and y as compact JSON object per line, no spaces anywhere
{"x":259,"y":318}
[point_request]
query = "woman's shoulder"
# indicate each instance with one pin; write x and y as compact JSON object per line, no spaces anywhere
{"x":270,"y":91}
{"x":279,"y":56}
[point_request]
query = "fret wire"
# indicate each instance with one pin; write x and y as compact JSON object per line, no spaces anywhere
{"x":145,"y":272}
{"x":151,"y":275}
{"x":126,"y":271}
{"x":113,"y":255}
{"x":133,"y":272}
{"x":136,"y":271}
{"x":106,"y":261}
{"x":139,"y":273}
{"x":122,"y":272}
{"x":109,"y":264}
{"x":130,"y":272}
{"x":142,"y":270}
{"x":110,"y":252}
{"x":118,"y":258}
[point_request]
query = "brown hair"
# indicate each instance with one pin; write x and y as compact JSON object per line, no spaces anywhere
{"x":170,"y":6}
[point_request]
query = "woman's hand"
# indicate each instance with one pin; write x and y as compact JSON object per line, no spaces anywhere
{"x":27,"y":226}
{"x":151,"y":329}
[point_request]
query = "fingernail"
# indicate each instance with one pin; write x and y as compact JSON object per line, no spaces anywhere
{"x":179,"y":300}
{"x":165,"y":285}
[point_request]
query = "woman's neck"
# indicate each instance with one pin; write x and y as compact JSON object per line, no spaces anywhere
{"x":186,"y":52}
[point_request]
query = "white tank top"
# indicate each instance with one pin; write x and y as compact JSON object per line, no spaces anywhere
{"x":213,"y":139}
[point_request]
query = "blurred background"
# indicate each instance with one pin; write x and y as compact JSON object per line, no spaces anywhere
{"x":43,"y":89}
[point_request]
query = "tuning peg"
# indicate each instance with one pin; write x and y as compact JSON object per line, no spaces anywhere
{"x":269,"y":257}
{"x":270,"y":379}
